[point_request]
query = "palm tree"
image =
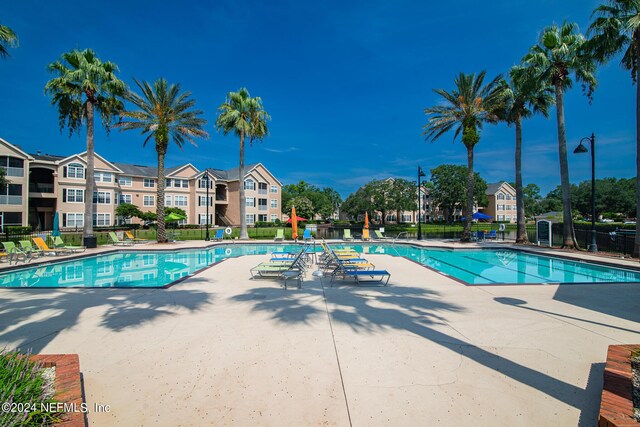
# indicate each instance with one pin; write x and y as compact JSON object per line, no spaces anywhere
{"x":467,"y":108}
{"x":244,"y":116}
{"x":8,"y":39}
{"x":82,"y":84}
{"x":525,"y":97}
{"x":163,"y":113}
{"x":560,"y":53}
{"x":617,"y":29}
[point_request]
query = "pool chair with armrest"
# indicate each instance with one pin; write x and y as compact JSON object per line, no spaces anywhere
{"x":129,"y":236}
{"x":493,"y":235}
{"x":58,"y":243}
{"x":44,"y":248}
{"x":279,"y":235}
{"x":219,"y":235}
{"x":26,"y":246}
{"x":346,"y":236}
{"x":379,"y":236}
{"x":116,"y":241}
{"x":480,"y":236}
{"x":365,"y":234}
{"x":14,"y":253}
{"x":306,"y":236}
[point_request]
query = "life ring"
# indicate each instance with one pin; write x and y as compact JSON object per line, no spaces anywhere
{"x":502,"y":227}
{"x":227,"y":252}
{"x":228,"y":231}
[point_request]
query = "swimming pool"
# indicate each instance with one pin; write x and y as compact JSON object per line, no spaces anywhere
{"x":129,"y":269}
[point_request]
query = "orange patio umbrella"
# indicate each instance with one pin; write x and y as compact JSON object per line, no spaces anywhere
{"x":366,"y":220}
{"x":294,"y":223}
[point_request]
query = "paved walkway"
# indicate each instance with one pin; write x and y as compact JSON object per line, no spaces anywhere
{"x":221,"y":349}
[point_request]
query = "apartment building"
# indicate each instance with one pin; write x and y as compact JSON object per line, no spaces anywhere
{"x":502,"y":202}
{"x":41,"y":185}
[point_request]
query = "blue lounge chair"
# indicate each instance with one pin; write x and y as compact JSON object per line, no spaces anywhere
{"x":306,"y":236}
{"x":480,"y":235}
{"x":493,"y":235}
{"x":219,"y":235}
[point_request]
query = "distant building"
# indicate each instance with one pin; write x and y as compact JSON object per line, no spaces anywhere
{"x":41,"y":185}
{"x":502,"y":202}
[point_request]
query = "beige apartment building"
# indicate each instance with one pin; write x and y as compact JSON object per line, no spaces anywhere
{"x":41,"y":185}
{"x":502,"y":202}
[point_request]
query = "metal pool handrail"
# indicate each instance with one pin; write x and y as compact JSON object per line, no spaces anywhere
{"x":406,"y":236}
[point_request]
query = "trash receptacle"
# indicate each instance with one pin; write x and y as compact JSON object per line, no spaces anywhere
{"x":90,"y":241}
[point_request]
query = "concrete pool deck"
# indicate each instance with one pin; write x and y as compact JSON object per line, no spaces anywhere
{"x":221,"y":349}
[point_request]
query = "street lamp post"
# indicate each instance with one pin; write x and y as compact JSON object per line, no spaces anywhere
{"x":579,"y":150}
{"x":206,"y":234}
{"x":420,"y":175}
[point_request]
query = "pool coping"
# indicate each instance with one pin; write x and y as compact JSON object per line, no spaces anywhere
{"x":453,"y":246}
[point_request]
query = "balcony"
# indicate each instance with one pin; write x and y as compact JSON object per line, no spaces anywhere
{"x":12,"y":171}
{"x":40,"y":187}
{"x":262,"y":191}
{"x":10,"y":200}
{"x":262,"y":208}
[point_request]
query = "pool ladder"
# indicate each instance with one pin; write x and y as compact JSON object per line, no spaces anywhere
{"x":403,"y":233}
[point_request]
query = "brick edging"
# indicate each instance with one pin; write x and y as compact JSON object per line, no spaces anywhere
{"x":616,"y":406}
{"x":68,"y":385}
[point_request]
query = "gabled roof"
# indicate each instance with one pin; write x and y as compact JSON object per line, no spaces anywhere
{"x":171,"y":171}
{"x":232,"y":174}
{"x":15,"y":148}
{"x":494,"y":187}
{"x":80,"y":156}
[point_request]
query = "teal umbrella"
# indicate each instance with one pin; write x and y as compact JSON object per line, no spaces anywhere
{"x":56,"y":225}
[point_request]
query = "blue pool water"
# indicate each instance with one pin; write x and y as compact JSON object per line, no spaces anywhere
{"x":156,"y":269}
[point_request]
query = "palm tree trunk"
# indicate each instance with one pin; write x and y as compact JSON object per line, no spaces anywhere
{"x":568,"y":239}
{"x":521,"y":234}
{"x":162,"y":232}
{"x":636,"y":246}
{"x":243,"y":200}
{"x":89,"y":178}
{"x":466,"y":232}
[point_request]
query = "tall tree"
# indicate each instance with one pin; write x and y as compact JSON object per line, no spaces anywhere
{"x":82,"y":84}
{"x":403,"y":196}
{"x":559,"y":54}
{"x":8,"y":39}
{"x":526,"y":95}
{"x":616,"y":29}
{"x":245,"y":117}
{"x":164,"y":113}
{"x":466,"y":108}
{"x":448,"y":191}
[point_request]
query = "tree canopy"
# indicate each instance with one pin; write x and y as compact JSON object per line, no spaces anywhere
{"x":450,"y":188}
{"x":321,"y":201}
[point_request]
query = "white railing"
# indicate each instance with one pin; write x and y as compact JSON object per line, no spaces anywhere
{"x":10,"y":200}
{"x":11,"y":171}
{"x":262,"y":208}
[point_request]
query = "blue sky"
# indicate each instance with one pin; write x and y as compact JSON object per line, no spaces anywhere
{"x":345,"y":82}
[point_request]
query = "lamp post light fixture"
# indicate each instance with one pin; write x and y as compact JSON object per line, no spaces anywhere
{"x":420,"y":175}
{"x":206,"y":178}
{"x":580,"y":149}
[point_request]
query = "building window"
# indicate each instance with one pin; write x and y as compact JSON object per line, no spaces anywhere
{"x":72,"y":220}
{"x":125,"y":198}
{"x":101,"y":219}
{"x":148,"y":201}
{"x":202,"y":219}
{"x":180,"y":200}
{"x":251,"y":219}
{"x":274,"y":217}
{"x":508,"y":197}
{"x":274,"y":203}
{"x":102,"y":197}
{"x":513,"y":198}
{"x":508,"y":217}
{"x":500,"y":217}
{"x":249,"y":184}
{"x":12,"y":166}
{"x":391,"y":218}
{"x":262,"y":204}
{"x":274,"y":188}
{"x":72,"y":195}
{"x":262,"y":188}
{"x":262,"y":217}
{"x":167,"y":183}
{"x":508,"y":207}
{"x":148,"y":183}
{"x":407,"y":218}
{"x":250,"y":202}
{"x":500,"y":207}
{"x":202,"y":201}
{"x":167,"y":200}
{"x":500,"y":196}
{"x":75,"y":170}
{"x":124,"y":181}
{"x":103,"y":176}
{"x":180,"y":183}
{"x":202,"y":183}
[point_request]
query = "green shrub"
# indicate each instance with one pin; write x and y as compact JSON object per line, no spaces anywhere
{"x":22,"y":382}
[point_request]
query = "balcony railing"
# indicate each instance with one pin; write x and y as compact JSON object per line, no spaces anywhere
{"x":10,"y":200}
{"x":40,"y":187}
{"x":221,"y":197}
{"x":262,"y":191}
{"x":262,"y":208}
{"x":11,"y":171}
